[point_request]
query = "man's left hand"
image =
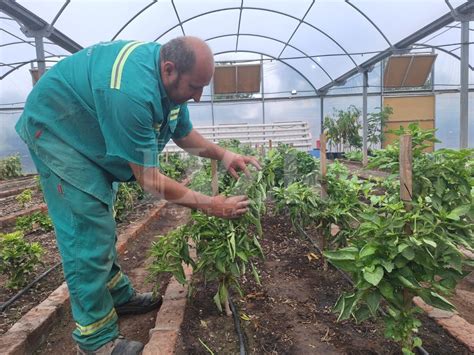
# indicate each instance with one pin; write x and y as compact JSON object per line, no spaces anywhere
{"x":235,"y":162}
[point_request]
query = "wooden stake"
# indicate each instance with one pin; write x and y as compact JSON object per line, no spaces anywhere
{"x":166,"y":156}
{"x":214,"y":181}
{"x":406,"y":162}
{"x":270,"y":144}
{"x":323,"y":163}
{"x":324,"y":194}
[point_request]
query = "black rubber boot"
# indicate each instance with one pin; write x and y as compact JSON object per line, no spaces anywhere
{"x":140,"y":303}
{"x":119,"y":346}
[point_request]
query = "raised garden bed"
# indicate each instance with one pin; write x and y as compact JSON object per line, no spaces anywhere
{"x":10,"y":205}
{"x":133,"y":262}
{"x":290,"y":313}
{"x":41,"y":290}
{"x":15,"y":186}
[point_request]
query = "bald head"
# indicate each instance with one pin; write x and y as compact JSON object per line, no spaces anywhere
{"x":187,"y":65}
{"x":186,"y":52}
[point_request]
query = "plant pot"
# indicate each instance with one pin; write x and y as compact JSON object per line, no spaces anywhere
{"x":334,"y":155}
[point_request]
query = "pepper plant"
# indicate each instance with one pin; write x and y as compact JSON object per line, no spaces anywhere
{"x":399,"y":251}
{"x":18,"y":258}
{"x":224,"y":248}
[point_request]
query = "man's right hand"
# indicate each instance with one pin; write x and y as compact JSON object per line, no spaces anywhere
{"x":227,"y":207}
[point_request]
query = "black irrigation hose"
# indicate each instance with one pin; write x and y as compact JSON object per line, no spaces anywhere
{"x":8,"y":303}
{"x":238,"y":328}
{"x":420,"y":349}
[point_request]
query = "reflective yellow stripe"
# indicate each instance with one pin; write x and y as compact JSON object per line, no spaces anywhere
{"x":114,"y":280}
{"x":174,"y":114}
{"x":122,"y":64}
{"x":92,"y":328}
{"x":117,"y":61}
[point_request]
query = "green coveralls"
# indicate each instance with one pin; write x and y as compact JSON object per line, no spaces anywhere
{"x":86,"y":118}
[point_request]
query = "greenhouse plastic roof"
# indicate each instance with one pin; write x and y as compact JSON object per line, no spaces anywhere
{"x":325,"y":41}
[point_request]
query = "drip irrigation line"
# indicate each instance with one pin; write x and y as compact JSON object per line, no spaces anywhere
{"x":420,"y":349}
{"x":238,"y":328}
{"x":8,"y":303}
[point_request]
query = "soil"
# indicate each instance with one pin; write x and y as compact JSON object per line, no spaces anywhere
{"x":41,"y":290}
{"x":134,"y":262}
{"x":290,"y":313}
{"x":9,"y":205}
{"x":27,"y":181}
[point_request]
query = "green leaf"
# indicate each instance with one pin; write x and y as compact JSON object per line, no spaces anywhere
{"x":458,"y":212}
{"x":242,"y":255}
{"x":217,"y":301}
{"x":409,"y":253}
{"x":430,"y":242}
{"x":439,"y":301}
{"x":388,"y":265}
{"x":373,"y":301}
{"x":375,"y":276}
{"x":367,"y":250}
{"x":348,"y":253}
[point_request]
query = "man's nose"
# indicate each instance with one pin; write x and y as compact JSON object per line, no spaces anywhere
{"x":197,"y":95}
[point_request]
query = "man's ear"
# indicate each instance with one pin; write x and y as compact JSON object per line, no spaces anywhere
{"x":169,"y":70}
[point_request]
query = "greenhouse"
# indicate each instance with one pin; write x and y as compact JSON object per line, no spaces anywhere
{"x":237,"y":176}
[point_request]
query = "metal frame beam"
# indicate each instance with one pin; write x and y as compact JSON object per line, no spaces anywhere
{"x":277,"y":40}
{"x":264,"y":10}
{"x":35,"y":23}
{"x":464,"y":94}
{"x":405,"y":43}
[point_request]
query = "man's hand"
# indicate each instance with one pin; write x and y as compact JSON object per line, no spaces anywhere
{"x":235,"y":162}
{"x":227,"y":207}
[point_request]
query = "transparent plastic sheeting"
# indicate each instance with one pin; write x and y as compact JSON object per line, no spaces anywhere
{"x":338,"y":34}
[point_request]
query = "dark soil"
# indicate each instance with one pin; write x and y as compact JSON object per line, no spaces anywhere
{"x":9,"y":205}
{"x":134,"y":262}
{"x":290,"y":313}
{"x":42,"y":289}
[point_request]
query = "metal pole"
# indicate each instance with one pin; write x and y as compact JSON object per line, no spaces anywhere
{"x":364,"y":119}
{"x":464,"y":119}
{"x":263,"y":89}
{"x":40,"y":55}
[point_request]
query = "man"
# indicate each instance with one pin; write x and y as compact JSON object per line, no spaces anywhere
{"x":102,"y":115}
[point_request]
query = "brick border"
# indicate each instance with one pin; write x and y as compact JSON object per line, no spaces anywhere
{"x":26,"y":335}
{"x":10,"y":219}
{"x":458,"y":327}
{"x":164,"y":336}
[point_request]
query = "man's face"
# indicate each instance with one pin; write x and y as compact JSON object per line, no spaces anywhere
{"x":186,"y":86}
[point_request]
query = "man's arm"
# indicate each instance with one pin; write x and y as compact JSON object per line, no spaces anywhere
{"x":194,"y":143}
{"x":160,"y":185}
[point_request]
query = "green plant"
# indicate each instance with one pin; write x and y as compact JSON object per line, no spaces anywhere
{"x":224,"y":248}
{"x":343,"y":129}
{"x":10,"y":167}
{"x":24,"y":197}
{"x":36,"y":220}
{"x":376,"y":122}
{"x":356,"y":155}
{"x":127,"y":195}
{"x":18,"y":258}
{"x":397,"y":251}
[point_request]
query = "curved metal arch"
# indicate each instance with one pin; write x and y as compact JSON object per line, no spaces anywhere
{"x":265,"y":10}
{"x":270,"y":56}
{"x":370,"y":20}
{"x":277,"y":40}
{"x":133,"y":18}
{"x":31,"y":61}
{"x":440,"y":49}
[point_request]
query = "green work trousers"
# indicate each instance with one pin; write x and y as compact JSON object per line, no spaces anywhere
{"x":85,"y":234}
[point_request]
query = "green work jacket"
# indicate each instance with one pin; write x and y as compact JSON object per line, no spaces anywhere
{"x":99,"y":109}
